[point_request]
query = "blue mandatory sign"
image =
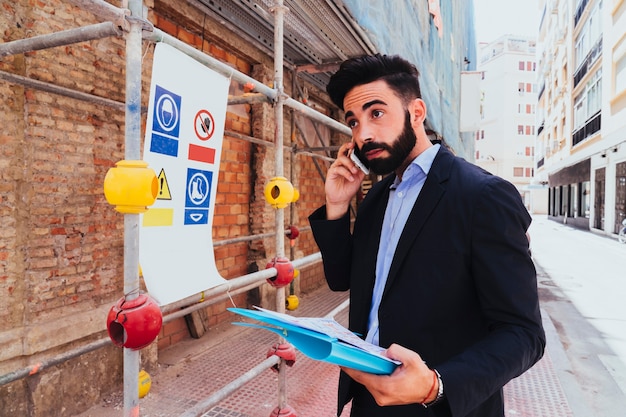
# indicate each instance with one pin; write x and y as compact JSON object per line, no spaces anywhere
{"x":166,"y":116}
{"x":198,"y":195}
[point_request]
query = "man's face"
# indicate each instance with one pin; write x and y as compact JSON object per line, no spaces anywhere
{"x":381,"y":127}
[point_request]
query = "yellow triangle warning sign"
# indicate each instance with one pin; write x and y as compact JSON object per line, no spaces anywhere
{"x":164,"y":188}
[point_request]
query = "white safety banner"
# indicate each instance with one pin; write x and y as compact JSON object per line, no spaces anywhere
{"x":183,"y":144}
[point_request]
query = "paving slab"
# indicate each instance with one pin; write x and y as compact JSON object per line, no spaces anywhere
{"x":194,"y":370}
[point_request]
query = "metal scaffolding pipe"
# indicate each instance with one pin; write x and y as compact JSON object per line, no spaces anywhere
{"x":248,"y":98}
{"x":251,"y":237}
{"x":315,"y":155}
{"x":306,"y":142}
{"x":279,"y":14}
{"x":235,"y":286}
{"x":103,"y":10}
{"x":55,"y":89}
{"x":218,"y":298}
{"x":237,"y":135}
{"x":237,"y":283}
{"x":225,"y":291}
{"x":204,"y":406}
{"x":40,"y":366}
{"x":303,"y":151}
{"x":132,"y":151}
{"x":317,"y":116}
{"x":158,"y":35}
{"x":230,"y":285}
{"x":66,"y":37}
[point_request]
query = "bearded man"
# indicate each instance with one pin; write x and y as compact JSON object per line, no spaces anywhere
{"x":437,"y":263}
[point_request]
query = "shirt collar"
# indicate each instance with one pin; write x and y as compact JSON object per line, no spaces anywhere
{"x":423,"y":161}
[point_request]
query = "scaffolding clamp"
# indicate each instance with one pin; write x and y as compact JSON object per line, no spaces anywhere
{"x":131,"y":186}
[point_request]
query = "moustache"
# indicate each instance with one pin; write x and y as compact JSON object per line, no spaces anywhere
{"x":370,"y":146}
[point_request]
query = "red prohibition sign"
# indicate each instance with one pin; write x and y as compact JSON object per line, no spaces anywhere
{"x":204,"y":125}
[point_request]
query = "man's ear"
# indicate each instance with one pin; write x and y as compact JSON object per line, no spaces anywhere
{"x":418,"y":111}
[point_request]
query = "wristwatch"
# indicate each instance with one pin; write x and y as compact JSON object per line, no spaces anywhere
{"x":439,"y":396}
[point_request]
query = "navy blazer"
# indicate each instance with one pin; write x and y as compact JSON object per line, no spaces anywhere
{"x":461,"y":290}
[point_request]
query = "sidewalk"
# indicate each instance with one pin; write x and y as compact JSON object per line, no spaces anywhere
{"x":193,"y":370}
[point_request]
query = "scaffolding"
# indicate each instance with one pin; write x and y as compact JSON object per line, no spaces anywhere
{"x":129,"y":23}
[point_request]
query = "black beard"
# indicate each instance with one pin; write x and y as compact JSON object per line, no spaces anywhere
{"x":398,"y":151}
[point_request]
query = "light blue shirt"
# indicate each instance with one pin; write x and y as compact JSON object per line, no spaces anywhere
{"x":402,"y":196}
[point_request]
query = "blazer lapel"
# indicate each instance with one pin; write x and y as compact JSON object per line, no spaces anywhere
{"x":430,"y":195}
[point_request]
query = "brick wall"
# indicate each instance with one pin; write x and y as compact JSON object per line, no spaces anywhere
{"x":61,"y":244}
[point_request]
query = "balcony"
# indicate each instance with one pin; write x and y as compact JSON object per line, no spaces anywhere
{"x":592,"y":126}
{"x":582,"y":4}
{"x":540,"y":128}
{"x":590,"y":59}
{"x":541,"y":162}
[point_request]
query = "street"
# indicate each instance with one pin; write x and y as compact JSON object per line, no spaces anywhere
{"x":583,"y":291}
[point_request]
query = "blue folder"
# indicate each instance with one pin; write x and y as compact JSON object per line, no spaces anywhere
{"x":319,"y":345}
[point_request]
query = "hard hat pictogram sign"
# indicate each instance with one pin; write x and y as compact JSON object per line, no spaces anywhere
{"x":166,"y":112}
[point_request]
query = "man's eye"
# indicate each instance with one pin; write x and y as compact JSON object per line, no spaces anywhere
{"x":377,"y":113}
{"x":351,"y":124}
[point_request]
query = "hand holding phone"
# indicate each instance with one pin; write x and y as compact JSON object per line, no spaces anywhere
{"x":355,"y":158}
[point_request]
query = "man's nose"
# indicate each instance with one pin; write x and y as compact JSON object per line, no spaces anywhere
{"x":364,"y":133}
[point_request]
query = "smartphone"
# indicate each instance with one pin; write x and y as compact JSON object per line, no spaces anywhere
{"x":354,"y":156}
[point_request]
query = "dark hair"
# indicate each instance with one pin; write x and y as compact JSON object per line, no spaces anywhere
{"x":401,"y":76}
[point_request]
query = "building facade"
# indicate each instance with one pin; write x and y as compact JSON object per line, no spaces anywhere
{"x":505,"y":142}
{"x":581,"y":140}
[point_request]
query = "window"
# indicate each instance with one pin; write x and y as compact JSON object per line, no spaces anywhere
{"x":573,"y":201}
{"x":585,"y":198}
{"x":580,"y":110}
{"x":590,"y":35}
{"x":619,"y":59}
{"x":589,"y":101}
{"x":528,"y":173}
{"x":521,"y":66}
{"x":518,"y":172}
{"x":564,"y":199}
{"x":529,"y":66}
{"x":582,"y":48}
{"x":520,"y":87}
{"x":520,"y":129}
{"x":530,"y":151}
{"x":594,"y":93}
{"x":620,"y":75}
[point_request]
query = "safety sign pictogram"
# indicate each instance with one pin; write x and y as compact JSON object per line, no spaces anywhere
{"x":165,"y":122}
{"x":204,"y":125}
{"x":164,"y":188}
{"x":186,"y":112}
{"x":166,"y":118}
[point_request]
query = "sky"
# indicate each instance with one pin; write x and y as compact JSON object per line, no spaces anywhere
{"x":495,"y":18}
